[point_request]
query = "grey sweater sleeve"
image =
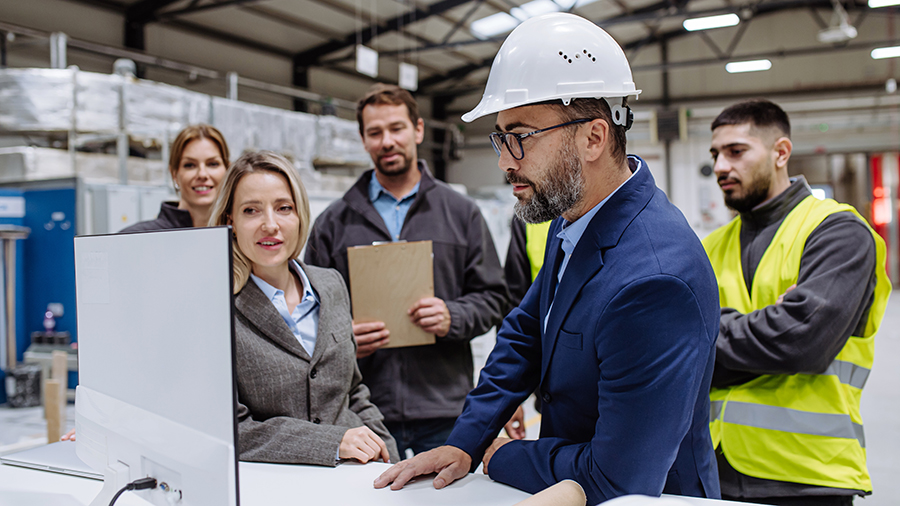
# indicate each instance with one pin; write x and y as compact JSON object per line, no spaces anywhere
{"x":807,"y":330}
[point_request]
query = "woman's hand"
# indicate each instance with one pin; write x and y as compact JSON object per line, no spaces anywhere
{"x":515,"y":427}
{"x":363,"y":445}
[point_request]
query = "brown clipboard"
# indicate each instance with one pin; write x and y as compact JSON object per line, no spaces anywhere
{"x":385,"y":281}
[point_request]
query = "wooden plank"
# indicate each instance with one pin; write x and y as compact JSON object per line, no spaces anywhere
{"x":10,"y":254}
{"x":59,"y":371}
{"x":52,"y":404}
{"x":385,"y":281}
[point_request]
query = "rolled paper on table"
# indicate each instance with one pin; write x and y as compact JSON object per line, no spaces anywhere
{"x":564,"y":493}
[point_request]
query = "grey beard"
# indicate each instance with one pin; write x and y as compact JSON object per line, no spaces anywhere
{"x":563,"y":188}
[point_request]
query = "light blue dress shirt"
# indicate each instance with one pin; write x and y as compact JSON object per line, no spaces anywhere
{"x":571,"y":233}
{"x":392,"y":210}
{"x":304,"y":320}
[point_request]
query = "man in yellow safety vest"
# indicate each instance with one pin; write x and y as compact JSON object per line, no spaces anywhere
{"x":524,"y":257}
{"x":803,"y":289}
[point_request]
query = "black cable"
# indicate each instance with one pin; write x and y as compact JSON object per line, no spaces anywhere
{"x":142,"y":484}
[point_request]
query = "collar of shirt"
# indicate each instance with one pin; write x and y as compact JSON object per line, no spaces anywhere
{"x":271,"y":292}
{"x":376,"y":191}
{"x":572,"y":232}
{"x":392,"y":211}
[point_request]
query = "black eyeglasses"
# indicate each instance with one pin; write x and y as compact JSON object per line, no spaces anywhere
{"x":498,"y":139}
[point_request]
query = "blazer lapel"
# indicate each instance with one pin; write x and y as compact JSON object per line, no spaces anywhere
{"x":324,"y":336}
{"x":586,"y":261}
{"x":554,"y":256}
{"x":253,"y":304}
{"x":601,"y":234}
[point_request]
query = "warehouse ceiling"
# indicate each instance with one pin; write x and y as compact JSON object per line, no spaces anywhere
{"x":447,"y":40}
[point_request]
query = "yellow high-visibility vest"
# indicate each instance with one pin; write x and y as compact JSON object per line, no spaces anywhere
{"x":800,"y":428}
{"x":535,"y":244}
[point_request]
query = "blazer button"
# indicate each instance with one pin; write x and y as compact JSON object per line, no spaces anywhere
{"x":313,"y":373}
{"x":546,"y":397}
{"x":316,"y":420}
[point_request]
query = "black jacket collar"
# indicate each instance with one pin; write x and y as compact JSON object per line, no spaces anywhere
{"x":172,"y":217}
{"x":777,"y":208}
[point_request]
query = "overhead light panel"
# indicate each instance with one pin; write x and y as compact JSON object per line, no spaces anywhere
{"x":535,"y":8}
{"x":886,"y":52}
{"x":492,"y":25}
{"x":501,"y":22}
{"x":573,"y":4}
{"x":874,"y":4}
{"x":710,"y":22}
{"x":736,"y":67}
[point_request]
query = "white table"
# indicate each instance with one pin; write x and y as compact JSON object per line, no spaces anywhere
{"x":274,"y":484}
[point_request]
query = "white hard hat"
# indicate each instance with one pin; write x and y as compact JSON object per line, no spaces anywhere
{"x":556,"y":56}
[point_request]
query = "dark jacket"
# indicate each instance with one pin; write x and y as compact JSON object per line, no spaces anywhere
{"x":169,"y":217}
{"x":835,"y":290}
{"x":431,"y":381}
{"x":293,"y":408}
{"x":624,"y":364}
{"x":518,"y":266}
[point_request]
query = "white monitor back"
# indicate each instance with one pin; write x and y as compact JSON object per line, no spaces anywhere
{"x":156,"y":394}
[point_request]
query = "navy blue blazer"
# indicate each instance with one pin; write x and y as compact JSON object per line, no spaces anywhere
{"x":624,"y":366}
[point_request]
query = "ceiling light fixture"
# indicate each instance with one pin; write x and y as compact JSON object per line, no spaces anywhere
{"x":874,"y":4}
{"x":501,"y":22}
{"x":747,"y":66}
{"x":881,"y":53}
{"x":495,"y":24}
{"x":535,"y":8}
{"x":710,"y":22}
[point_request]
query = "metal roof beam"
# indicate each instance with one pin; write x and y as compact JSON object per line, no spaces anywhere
{"x":659,"y":9}
{"x":145,"y":11}
{"x":781,"y":53}
{"x":193,"y":7}
{"x":311,"y":56}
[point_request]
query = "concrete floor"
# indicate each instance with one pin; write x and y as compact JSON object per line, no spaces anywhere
{"x":881,"y":411}
{"x":25,"y":427}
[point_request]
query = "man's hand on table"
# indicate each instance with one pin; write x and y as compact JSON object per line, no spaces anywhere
{"x":449,"y":462}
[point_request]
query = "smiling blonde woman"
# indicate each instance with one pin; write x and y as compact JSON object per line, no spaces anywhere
{"x":300,"y":393}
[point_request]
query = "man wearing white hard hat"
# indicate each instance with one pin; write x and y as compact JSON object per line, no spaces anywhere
{"x":618,"y":329}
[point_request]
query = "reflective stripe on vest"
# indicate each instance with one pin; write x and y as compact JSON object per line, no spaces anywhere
{"x":802,"y":428}
{"x":849,"y":373}
{"x":535,"y":244}
{"x":789,"y":420}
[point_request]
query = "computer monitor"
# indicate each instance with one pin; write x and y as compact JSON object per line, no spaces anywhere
{"x":157,"y":395}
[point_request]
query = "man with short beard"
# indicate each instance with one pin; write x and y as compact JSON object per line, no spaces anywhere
{"x":618,"y":329}
{"x":803,"y":289}
{"x":421,"y":389}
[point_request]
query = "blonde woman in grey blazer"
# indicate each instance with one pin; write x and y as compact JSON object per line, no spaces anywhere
{"x":300,"y":394}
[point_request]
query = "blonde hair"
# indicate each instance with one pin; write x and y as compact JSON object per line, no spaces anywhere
{"x":249,"y":163}
{"x":190,"y":134}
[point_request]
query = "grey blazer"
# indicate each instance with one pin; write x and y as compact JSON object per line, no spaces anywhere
{"x":293,"y":408}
